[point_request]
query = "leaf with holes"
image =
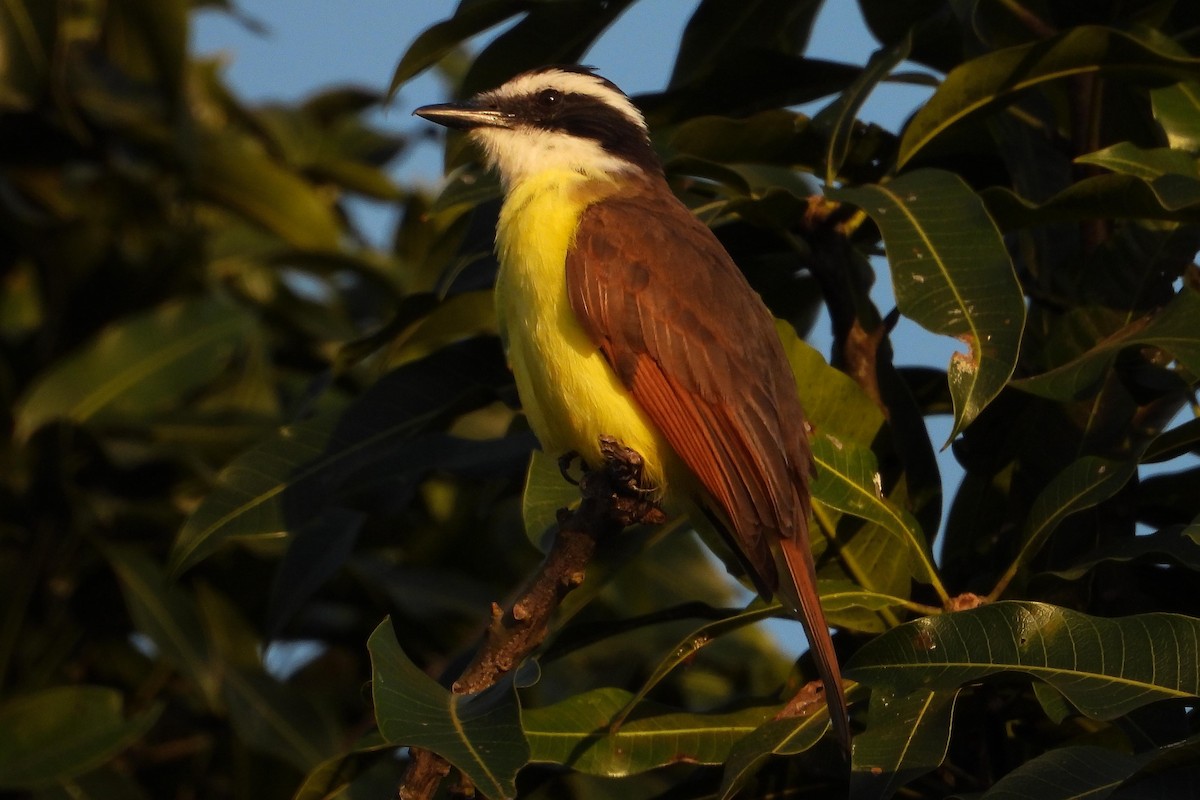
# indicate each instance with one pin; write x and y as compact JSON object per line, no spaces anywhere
{"x":1104,"y":667}
{"x":952,"y":275}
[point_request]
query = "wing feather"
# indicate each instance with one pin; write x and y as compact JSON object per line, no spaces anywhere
{"x":698,"y":351}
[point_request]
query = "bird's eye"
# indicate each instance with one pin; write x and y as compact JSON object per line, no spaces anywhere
{"x":548,"y":98}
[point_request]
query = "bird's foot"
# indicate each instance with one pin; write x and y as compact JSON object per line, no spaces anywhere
{"x":623,"y":480}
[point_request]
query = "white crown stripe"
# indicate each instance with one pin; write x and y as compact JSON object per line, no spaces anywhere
{"x":531,"y":83}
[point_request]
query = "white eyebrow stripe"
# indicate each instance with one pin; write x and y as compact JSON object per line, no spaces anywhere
{"x":531,"y":83}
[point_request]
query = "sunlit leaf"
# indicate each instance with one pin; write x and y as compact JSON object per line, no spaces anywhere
{"x":479,"y":734}
{"x":1127,"y":158}
{"x":576,"y":732}
{"x":546,"y":491}
{"x":58,"y":733}
{"x":848,"y":480}
{"x":952,"y":275}
{"x":1104,"y":667}
{"x":907,"y":737}
{"x":139,"y":366}
{"x":1177,"y":109}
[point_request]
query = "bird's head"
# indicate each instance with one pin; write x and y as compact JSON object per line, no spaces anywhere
{"x":553,"y":118}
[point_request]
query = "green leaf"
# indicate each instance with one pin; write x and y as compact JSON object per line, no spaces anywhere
{"x":1173,"y":443}
{"x":952,"y":275}
{"x":850,"y":606}
{"x":1177,"y":109}
{"x":162,"y":611}
{"x":1172,"y":329}
{"x":278,"y":719}
{"x":833,"y":401}
{"x":1127,"y":158}
{"x":1083,"y":484}
{"x":332,"y":777}
{"x":546,"y":491}
{"x":440,"y":40}
{"x":550,"y":33}
{"x":1171,"y":198}
{"x":907,"y":736}
{"x":317,"y":551}
{"x":1104,"y":667}
{"x":27,"y":34}
{"x":140,"y":366}
{"x":1180,"y":543}
{"x":838,"y":120}
{"x":577,"y":733}
{"x":848,"y":480}
{"x":723,"y":31}
{"x":241,"y":177}
{"x":1069,"y":773}
{"x":693,"y":643}
{"x":479,"y":734}
{"x":787,"y":736}
{"x":55,"y":734}
{"x":287,"y":480}
{"x":995,"y":77}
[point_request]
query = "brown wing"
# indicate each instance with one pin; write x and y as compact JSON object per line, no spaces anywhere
{"x":698,"y":350}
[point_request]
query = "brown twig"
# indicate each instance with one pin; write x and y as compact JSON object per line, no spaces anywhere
{"x":613,"y":497}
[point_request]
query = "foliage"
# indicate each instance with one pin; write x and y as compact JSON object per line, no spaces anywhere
{"x":240,"y":437}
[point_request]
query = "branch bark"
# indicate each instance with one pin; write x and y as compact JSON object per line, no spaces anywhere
{"x":613,"y":497}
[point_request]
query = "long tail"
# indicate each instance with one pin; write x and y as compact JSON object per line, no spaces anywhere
{"x":798,"y":559}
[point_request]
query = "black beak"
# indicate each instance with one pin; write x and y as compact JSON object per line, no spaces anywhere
{"x":465,"y":116}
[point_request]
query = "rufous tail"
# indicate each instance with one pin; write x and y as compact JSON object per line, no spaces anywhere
{"x":798,"y":559}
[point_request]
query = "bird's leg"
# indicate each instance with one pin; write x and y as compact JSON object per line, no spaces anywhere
{"x":564,"y":466}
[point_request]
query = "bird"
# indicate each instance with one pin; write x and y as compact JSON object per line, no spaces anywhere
{"x":623,"y":316}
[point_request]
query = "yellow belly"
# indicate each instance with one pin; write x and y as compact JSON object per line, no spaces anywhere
{"x":567,"y":389}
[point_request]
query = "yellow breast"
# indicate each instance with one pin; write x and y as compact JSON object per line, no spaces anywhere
{"x":567,"y":389}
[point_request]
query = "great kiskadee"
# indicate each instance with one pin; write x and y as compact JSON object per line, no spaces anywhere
{"x":623,"y":316}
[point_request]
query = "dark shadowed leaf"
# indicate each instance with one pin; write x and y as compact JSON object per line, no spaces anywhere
{"x":907,"y":737}
{"x":952,"y":275}
{"x":439,"y":40}
{"x":546,"y":491}
{"x":838,"y":120}
{"x":577,"y":732}
{"x":997,"y":76}
{"x":287,"y":480}
{"x":55,"y":734}
{"x":1095,"y":773}
{"x":140,"y":366}
{"x":1178,"y":543}
{"x":724,"y":31}
{"x":1173,"y":443}
{"x":787,"y":736}
{"x":1172,"y":329}
{"x":278,"y":719}
{"x":551,"y":33}
{"x":1172,"y":197}
{"x":479,"y":734}
{"x":316,"y":553}
{"x":332,"y":778}
{"x":163,"y":612}
{"x":27,"y":30}
{"x":1104,"y":667}
{"x":1083,"y":484}
{"x":1129,"y":159}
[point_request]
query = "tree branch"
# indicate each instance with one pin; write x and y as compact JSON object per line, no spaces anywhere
{"x":613,"y":497}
